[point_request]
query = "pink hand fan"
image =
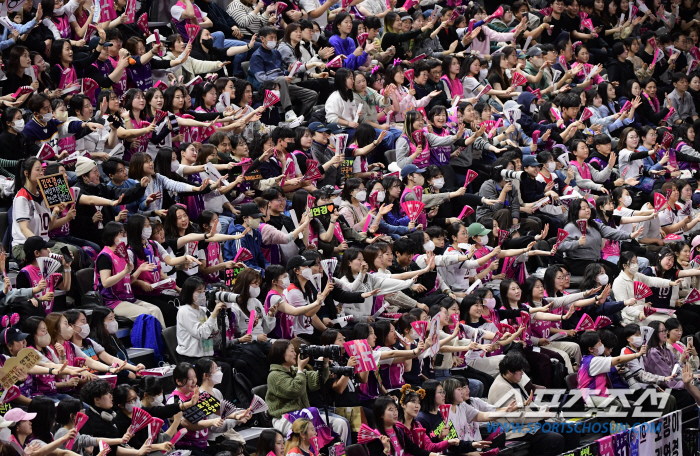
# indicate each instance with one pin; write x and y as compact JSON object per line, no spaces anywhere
{"x":192,"y":31}
{"x":362,"y":39}
{"x":535,"y":136}
{"x":561,"y":235}
{"x":154,"y":428}
{"x":142,"y":23}
{"x":693,"y":296}
{"x":502,"y":236}
{"x":466,"y":212}
{"x":139,"y":419}
{"x":601,"y":322}
{"x":417,"y":58}
{"x":408,"y":74}
{"x":335,"y":63}
{"x":412,"y":208}
{"x":586,"y":322}
{"x":46,"y":152}
{"x":178,"y":435}
{"x":419,"y":137}
{"x":445,"y":412}
{"x":666,"y":140}
{"x":270,"y":99}
{"x":659,"y":202}
{"x":582,"y":225}
{"x":519,"y":79}
{"x":421,"y":328}
{"x":586,"y":114}
{"x":471,"y":175}
{"x":641,"y":290}
{"x":243,"y":255}
{"x":366,"y":434}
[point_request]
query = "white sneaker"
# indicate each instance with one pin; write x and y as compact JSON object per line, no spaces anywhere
{"x":296,"y":122}
{"x":290,"y":116}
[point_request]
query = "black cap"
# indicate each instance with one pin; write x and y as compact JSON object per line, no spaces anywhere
{"x":35,"y":243}
{"x":298,"y":260}
{"x":329,"y":189}
{"x":251,"y":210}
{"x":12,"y":334}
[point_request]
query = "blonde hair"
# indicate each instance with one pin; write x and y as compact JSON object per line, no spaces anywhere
{"x":299,"y":427}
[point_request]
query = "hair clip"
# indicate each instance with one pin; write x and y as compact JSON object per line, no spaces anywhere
{"x":375,"y":68}
{"x":397,"y":62}
{"x":576,"y":44}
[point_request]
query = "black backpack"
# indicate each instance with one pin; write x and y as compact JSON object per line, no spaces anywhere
{"x":242,"y":389}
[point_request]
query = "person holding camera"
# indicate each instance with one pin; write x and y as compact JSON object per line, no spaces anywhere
{"x":196,"y":329}
{"x":288,"y":384}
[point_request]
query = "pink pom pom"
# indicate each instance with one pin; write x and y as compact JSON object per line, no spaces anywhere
{"x":14,"y":319}
{"x":5,"y":321}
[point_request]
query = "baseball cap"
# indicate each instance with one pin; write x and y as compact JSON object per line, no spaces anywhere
{"x":335,"y":128}
{"x":510,"y":105}
{"x":84,"y":166}
{"x":34,"y":243}
{"x":330,"y":190}
{"x":317,"y":126}
{"x":405,"y":16}
{"x":9,"y":335}
{"x":251,"y":210}
{"x":477,"y":229}
{"x":17,"y":414}
{"x":534,"y":51}
{"x":5,"y":423}
{"x":297,"y":261}
{"x":696,"y":241}
{"x":410,"y":169}
{"x":530,"y":160}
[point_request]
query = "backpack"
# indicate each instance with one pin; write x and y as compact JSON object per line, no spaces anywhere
{"x":146,"y":334}
{"x":243,"y":390}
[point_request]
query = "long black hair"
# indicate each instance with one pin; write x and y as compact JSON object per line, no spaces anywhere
{"x":340,"y":82}
{"x":134,"y":228}
{"x":191,"y":285}
{"x":99,"y":333}
{"x":654,"y":341}
{"x":576,"y":207}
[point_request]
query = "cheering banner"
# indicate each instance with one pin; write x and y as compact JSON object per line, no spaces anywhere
{"x":361,"y":350}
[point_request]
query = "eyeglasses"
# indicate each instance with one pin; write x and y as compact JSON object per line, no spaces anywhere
{"x":664,"y":331}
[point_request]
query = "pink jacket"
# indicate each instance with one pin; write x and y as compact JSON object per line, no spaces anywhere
{"x":484,"y":47}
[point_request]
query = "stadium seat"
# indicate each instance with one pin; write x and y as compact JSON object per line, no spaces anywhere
{"x":170,"y":340}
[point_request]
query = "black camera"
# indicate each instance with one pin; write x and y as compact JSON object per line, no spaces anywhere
{"x":319,"y":351}
{"x":343,"y":370}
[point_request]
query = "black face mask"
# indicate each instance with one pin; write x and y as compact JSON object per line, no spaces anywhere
{"x":609,"y":213}
{"x":209,"y":44}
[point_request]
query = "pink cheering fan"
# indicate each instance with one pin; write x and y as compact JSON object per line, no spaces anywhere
{"x":496,"y":14}
{"x":192,"y":31}
{"x":671,"y":111}
{"x":270,"y":99}
{"x":648,"y":310}
{"x":471,"y":175}
{"x":104,"y":448}
{"x":487,"y":124}
{"x":659,"y":202}
{"x":89,"y":31}
{"x":418,"y":434}
{"x":494,"y":129}
{"x":421,"y":328}
{"x":243,"y":255}
{"x":154,"y":428}
{"x":412,"y":208}
{"x":419,"y":137}
{"x":535,"y":136}
{"x":587,"y":24}
{"x":338,"y":233}
{"x":178,"y":435}
{"x":519,"y":79}
{"x":161,"y":52}
{"x":561,"y":235}
{"x":366,"y":434}
{"x":562,"y":62}
{"x":582,"y":226}
{"x":314,"y":441}
{"x":11,"y":393}
{"x":80,"y":420}
{"x":693,"y":296}
{"x":601,"y":322}
{"x":657,"y":55}
{"x":466,"y":212}
{"x":502,"y":236}
{"x":160,"y":85}
{"x":585,"y":323}
{"x":227,"y":408}
{"x":422,"y":111}
{"x":586,"y":114}
{"x":484,"y":91}
{"x":445,"y":412}
{"x":693,"y":65}
{"x":310,"y":200}
{"x":418,"y":191}
{"x":626,"y":107}
{"x":408,"y":74}
{"x":695,"y":52}
{"x":22,"y":91}
{"x":523,"y":319}
{"x":130,"y":12}
{"x":329,"y":266}
{"x":337,"y":62}
{"x":280,"y":9}
{"x":88,"y":85}
{"x":362,"y":39}
{"x":46,"y":152}
{"x":142,"y":23}
{"x":159,"y":116}
{"x":417,"y":58}
{"x":666,"y":140}
{"x":139,"y":419}
{"x":258,"y":405}
{"x":641,"y":290}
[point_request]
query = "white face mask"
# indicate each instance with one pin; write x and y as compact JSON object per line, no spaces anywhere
{"x":112,"y":326}
{"x":439,"y":182}
{"x":62,"y":116}
{"x":603,"y":279}
{"x":84,"y":331}
{"x":200,"y":300}
{"x":483,"y":240}
{"x":551,"y":167}
{"x":254,"y":291}
{"x":276,"y":92}
{"x":315,"y":36}
{"x":254,"y":224}
{"x":157,"y":401}
{"x":337,"y":200}
{"x":490,"y":303}
{"x":381,"y":196}
{"x":174,"y":166}
{"x":285,"y":283}
{"x":218,"y":227}
{"x":271,"y":44}
{"x":47,"y":117}
{"x":482,"y":74}
{"x":146,"y":233}
{"x":534,"y":109}
{"x":130,"y":407}
{"x":627,"y":201}
{"x":419,"y":180}
{"x":18,"y":125}
{"x":307,"y":273}
{"x":637,"y":341}
{"x":634,"y":268}
{"x":361,"y":195}
{"x":67,"y":333}
{"x":121,"y":240}
{"x":429,"y":246}
{"x":600,"y":350}
{"x":217,"y":376}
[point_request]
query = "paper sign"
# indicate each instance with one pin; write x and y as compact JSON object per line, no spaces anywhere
{"x":361,"y":350}
{"x":55,"y":190}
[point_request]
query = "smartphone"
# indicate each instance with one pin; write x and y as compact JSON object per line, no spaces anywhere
{"x":66,"y":254}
